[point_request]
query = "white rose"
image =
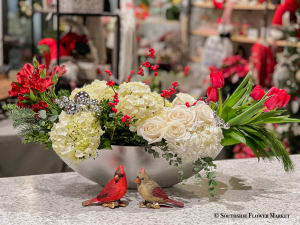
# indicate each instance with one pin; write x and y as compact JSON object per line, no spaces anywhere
{"x":204,"y":112}
{"x":181,"y":114}
{"x":175,"y":131}
{"x":182,"y":98}
{"x":152,"y":130}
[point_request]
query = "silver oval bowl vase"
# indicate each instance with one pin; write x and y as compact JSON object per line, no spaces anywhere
{"x":102,"y":168}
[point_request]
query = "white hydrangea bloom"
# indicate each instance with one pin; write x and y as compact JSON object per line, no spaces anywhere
{"x":76,"y":136}
{"x":137,"y":101}
{"x":97,"y":90}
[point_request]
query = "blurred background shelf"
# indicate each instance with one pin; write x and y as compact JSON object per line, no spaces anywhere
{"x":246,"y":40}
{"x":239,"y":6}
{"x":196,"y":59}
{"x":158,"y":20}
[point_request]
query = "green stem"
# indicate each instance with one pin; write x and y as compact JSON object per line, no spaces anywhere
{"x":220,"y":102}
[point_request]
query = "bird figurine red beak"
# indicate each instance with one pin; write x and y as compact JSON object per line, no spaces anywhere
{"x":152,"y":193}
{"x":110,"y":196}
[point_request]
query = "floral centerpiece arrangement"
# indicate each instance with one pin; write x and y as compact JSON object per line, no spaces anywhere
{"x":170,"y":124}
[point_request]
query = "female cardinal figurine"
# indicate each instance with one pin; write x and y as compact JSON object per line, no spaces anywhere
{"x":152,"y":192}
{"x":113,"y":191}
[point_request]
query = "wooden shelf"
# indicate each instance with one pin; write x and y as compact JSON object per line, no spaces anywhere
{"x":204,"y":33}
{"x":196,"y":59}
{"x":158,"y":20}
{"x":258,"y":7}
{"x":246,"y":40}
{"x":5,"y":86}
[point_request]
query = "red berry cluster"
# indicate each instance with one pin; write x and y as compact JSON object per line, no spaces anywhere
{"x":125,"y":119}
{"x":145,"y":64}
{"x":151,"y":53}
{"x":171,"y":91}
{"x":110,"y":83}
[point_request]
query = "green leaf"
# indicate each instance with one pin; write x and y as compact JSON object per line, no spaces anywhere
{"x":43,"y":74}
{"x":53,"y":118}
{"x":42,"y":114}
{"x":245,"y":116}
{"x":35,"y":63}
{"x":237,"y":135}
{"x":32,"y":97}
{"x":238,"y":93}
{"x":278,"y":119}
{"x":55,"y":79}
{"x":228,"y":140}
{"x":246,"y":94}
{"x":104,"y":144}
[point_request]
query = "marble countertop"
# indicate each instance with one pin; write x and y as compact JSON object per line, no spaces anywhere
{"x":248,"y":193}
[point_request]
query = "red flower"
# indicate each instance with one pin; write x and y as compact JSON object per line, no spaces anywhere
{"x":151,"y":53}
{"x":37,"y":79}
{"x":217,"y":79}
{"x":110,"y":83}
{"x":212,"y":94}
{"x":186,"y":71}
{"x":272,"y":103}
{"x":155,"y":73}
{"x":59,"y":70}
{"x":108,"y":72}
{"x":279,"y":98}
{"x":41,"y":105}
{"x":187,"y":104}
{"x":132,"y":72}
{"x":128,"y":79}
{"x":114,"y":110}
{"x":141,"y":71}
{"x":156,"y":67}
{"x":146,"y":64}
{"x":175,"y":84}
{"x":284,"y":98}
{"x":165,"y":94}
{"x":172,"y":90}
{"x":258,"y":93}
{"x":125,"y":118}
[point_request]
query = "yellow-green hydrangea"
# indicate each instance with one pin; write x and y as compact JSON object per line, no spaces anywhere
{"x":76,"y":136}
{"x":97,"y":90}
{"x":137,"y":101}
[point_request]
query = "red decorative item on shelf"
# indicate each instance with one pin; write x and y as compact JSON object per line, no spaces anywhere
{"x":69,"y":40}
{"x":219,"y":4}
{"x":288,"y":6}
{"x":264,"y":63}
{"x":52,"y":45}
{"x":113,"y":191}
{"x":231,"y":66}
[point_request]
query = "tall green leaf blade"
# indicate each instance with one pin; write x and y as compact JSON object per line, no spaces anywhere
{"x":245,"y":116}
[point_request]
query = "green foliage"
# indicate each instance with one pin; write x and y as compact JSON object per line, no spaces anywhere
{"x":30,"y":128}
{"x":247,"y":119}
{"x":209,"y":168}
{"x":116,"y":132}
{"x":63,"y":92}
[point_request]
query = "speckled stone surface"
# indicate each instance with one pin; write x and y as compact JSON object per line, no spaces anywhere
{"x":246,"y":187}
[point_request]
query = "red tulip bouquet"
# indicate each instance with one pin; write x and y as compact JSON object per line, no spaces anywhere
{"x":247,"y":111}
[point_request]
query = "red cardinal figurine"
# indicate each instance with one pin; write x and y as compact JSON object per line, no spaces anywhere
{"x":113,"y":191}
{"x":152,"y":192}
